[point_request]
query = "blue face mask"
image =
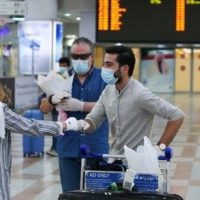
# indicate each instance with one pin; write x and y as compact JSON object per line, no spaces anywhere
{"x":108,"y":76}
{"x":62,"y":70}
{"x":81,"y":67}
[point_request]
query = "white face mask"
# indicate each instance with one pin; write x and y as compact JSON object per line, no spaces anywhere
{"x":80,"y":67}
{"x":108,"y":76}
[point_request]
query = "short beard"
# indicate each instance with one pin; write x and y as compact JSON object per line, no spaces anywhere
{"x":119,"y":80}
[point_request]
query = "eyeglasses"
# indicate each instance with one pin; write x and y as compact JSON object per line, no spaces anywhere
{"x":83,"y":56}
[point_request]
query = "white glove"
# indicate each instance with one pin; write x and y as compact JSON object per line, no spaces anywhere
{"x":72,"y":104}
{"x":59,"y":96}
{"x":72,"y":124}
{"x":76,"y":125}
{"x":159,"y":152}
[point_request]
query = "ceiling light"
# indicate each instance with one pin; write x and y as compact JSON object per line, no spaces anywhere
{"x":118,"y":44}
{"x":70,"y":36}
{"x":67,"y":14}
{"x":78,"y":18}
{"x":17,"y":19}
{"x":161,"y":46}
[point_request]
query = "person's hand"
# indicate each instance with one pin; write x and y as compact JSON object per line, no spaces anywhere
{"x":72,"y":104}
{"x":72,"y":124}
{"x":76,"y":125}
{"x":59,"y":96}
{"x":84,"y":125}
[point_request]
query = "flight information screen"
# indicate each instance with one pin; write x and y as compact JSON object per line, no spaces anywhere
{"x":149,"y":21}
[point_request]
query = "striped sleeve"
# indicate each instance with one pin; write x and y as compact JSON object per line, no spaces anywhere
{"x":5,"y":166}
{"x":16,"y":123}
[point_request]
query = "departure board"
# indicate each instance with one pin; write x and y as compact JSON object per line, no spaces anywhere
{"x":148,"y":21}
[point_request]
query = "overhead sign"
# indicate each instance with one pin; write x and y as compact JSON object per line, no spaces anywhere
{"x":13,"y":8}
{"x":146,"y":21}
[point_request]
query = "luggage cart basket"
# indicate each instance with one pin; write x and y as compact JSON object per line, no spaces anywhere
{"x":100,"y":180}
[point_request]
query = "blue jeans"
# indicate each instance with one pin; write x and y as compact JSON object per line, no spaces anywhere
{"x":70,"y":173}
{"x":54,"y":139}
{"x":70,"y":169}
{"x":54,"y":143}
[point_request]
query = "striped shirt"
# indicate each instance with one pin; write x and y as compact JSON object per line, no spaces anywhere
{"x":19,"y":124}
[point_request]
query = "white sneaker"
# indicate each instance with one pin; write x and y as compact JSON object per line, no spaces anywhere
{"x":52,"y":152}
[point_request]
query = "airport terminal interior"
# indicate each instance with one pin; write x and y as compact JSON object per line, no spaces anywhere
{"x":38,"y":178}
{"x":167,"y":62}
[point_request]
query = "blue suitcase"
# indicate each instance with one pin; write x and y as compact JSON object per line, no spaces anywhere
{"x":33,"y":146}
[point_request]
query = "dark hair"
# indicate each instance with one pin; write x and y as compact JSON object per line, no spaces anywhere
{"x":125,"y":56}
{"x":86,"y":41}
{"x":64,"y":60}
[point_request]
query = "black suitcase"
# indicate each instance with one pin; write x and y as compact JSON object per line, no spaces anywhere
{"x":117,"y":195}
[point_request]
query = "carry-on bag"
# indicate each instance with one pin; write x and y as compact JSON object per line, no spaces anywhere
{"x":33,"y":146}
{"x":112,"y":195}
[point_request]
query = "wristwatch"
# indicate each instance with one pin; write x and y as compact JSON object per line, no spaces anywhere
{"x":162,"y":146}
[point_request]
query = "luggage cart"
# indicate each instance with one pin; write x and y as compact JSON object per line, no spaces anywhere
{"x":100,"y":180}
{"x":97,"y":191}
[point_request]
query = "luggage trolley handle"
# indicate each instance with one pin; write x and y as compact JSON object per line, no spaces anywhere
{"x":86,"y":153}
{"x":168,"y":154}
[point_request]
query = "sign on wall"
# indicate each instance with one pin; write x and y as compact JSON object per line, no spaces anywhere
{"x":19,"y":93}
{"x":7,"y":91}
{"x":157,"y":69}
{"x":35,"y":47}
{"x":57,"y":43}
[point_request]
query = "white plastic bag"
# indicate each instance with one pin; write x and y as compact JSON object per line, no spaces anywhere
{"x":144,"y":159}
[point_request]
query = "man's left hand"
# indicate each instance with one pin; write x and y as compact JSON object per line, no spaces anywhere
{"x":159,"y":152}
{"x":72,"y":104}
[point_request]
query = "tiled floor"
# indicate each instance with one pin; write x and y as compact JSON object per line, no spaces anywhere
{"x":38,"y":178}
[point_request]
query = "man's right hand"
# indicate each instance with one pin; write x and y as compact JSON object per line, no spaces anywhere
{"x":59,"y":96}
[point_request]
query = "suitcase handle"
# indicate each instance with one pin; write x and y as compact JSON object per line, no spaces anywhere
{"x":86,"y":153}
